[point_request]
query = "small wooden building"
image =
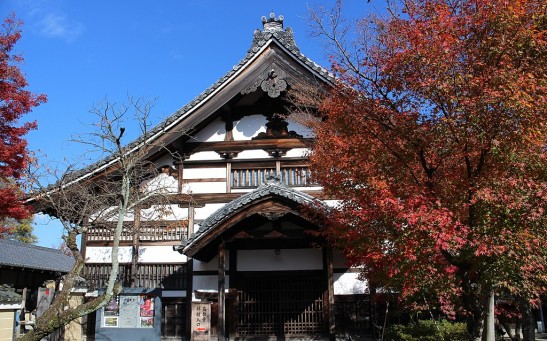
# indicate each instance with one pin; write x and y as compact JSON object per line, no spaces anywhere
{"x":238,"y":258}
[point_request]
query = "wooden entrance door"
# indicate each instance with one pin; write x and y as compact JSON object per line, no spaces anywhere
{"x":281,"y":304}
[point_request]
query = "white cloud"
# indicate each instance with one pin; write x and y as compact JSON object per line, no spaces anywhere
{"x":58,"y":26}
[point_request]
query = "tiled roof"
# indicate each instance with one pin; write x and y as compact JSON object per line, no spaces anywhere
{"x":271,"y":187}
{"x":283,"y":38}
{"x":22,"y":255}
{"x":8,"y":295}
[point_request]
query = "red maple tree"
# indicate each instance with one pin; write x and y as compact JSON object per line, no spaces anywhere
{"x":15,"y":102}
{"x":435,"y":144}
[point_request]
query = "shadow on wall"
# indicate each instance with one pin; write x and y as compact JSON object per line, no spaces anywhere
{"x":250,"y":126}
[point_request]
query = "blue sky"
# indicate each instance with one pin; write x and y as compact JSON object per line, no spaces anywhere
{"x":79,"y":52}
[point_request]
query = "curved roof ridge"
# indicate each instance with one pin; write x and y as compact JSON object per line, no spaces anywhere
{"x":270,"y":187}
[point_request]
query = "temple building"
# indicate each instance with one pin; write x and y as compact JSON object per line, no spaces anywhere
{"x":236,"y":256}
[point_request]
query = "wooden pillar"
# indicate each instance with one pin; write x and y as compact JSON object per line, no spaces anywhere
{"x":189,"y":291}
{"x":83,"y":245}
{"x":327,"y":262}
{"x":180,"y":171}
{"x":221,"y":291}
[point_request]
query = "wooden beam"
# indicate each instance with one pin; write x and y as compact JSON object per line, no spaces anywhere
{"x":221,"y":291}
{"x":247,"y":144}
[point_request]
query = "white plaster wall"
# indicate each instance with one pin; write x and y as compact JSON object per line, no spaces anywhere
{"x":161,"y":183}
{"x":241,"y":190}
{"x":206,"y":187}
{"x":200,"y":173}
{"x":99,"y":254}
{"x":201,"y":213}
{"x":349,"y":283}
{"x":248,"y":127}
{"x":213,"y":132}
{"x":147,"y":254}
{"x":288,"y":259}
{"x":304,"y":189}
{"x":160,"y":254}
{"x":253,"y":154}
{"x":166,"y":212}
{"x":209,"y":282}
{"x":297,"y":152}
{"x":201,"y":156}
{"x":212,"y":265}
{"x":110,"y":214}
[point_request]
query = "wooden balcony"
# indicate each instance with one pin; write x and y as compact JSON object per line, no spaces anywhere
{"x":148,"y":232}
{"x":166,"y":276}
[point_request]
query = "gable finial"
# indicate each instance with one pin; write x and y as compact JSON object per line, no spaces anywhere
{"x":272,"y":24}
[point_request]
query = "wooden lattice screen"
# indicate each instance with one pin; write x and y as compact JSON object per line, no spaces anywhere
{"x":281,"y":306}
{"x":166,"y":276}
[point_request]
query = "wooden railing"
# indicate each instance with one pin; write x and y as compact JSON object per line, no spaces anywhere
{"x":292,"y":176}
{"x":157,"y":231}
{"x":166,"y":276}
{"x":249,"y":178}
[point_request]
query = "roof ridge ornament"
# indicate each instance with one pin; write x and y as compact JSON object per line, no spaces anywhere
{"x":272,"y":24}
{"x":272,"y":27}
{"x":272,"y":178}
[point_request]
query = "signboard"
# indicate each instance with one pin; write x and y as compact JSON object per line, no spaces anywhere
{"x":45,"y":297}
{"x":129,"y":311}
{"x":201,"y":321}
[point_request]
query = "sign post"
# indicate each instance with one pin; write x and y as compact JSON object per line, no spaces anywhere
{"x":201,"y":321}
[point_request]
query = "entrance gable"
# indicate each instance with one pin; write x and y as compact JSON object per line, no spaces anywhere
{"x":271,"y":201}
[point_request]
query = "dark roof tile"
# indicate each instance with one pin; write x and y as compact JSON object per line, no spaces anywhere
{"x":8,"y":295}
{"x":28,"y":256}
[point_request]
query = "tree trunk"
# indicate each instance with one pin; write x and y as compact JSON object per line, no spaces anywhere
{"x":528,"y":325}
{"x":135,"y":248}
{"x":489,"y":331}
{"x":474,"y":325}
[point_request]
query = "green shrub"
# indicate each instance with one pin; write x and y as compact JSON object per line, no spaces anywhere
{"x":426,"y":330}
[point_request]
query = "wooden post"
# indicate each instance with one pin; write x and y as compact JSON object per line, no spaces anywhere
{"x":189,"y":291}
{"x":180,"y":170}
{"x":221,"y":291}
{"x":327,"y":260}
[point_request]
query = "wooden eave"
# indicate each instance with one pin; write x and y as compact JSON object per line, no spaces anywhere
{"x":205,"y":248}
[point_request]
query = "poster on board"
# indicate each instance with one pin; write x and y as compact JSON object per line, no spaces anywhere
{"x":129,"y":311}
{"x":146,"y":304}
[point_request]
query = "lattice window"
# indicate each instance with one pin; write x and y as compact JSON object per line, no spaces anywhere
{"x":167,"y":276}
{"x":149,"y":231}
{"x":287,"y":306}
